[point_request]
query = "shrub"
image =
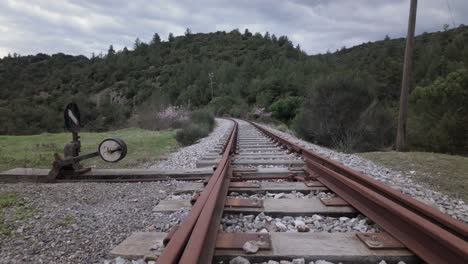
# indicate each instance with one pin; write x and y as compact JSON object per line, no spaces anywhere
{"x":340,"y":112}
{"x":332,"y":107}
{"x":169,"y":117}
{"x":285,"y":109}
{"x":190,"y":134}
{"x":200,"y":124}
{"x":439,"y":119}
{"x":228,"y":106}
{"x":203,"y":118}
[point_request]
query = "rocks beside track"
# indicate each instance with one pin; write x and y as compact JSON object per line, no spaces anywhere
{"x":80,"y":222}
{"x":242,"y":260}
{"x":186,"y":157}
{"x":405,"y":183}
{"x":282,"y":195}
{"x":262,"y":223}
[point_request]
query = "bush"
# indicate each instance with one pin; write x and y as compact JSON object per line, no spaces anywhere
{"x":228,"y":106}
{"x":190,"y":134}
{"x":203,"y":118}
{"x":200,"y":124}
{"x":438,"y":115}
{"x":332,"y":107}
{"x":162,"y":119}
{"x":285,"y":109}
{"x":340,"y":112}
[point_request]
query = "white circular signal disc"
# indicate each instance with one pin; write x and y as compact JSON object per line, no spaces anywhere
{"x":112,"y":149}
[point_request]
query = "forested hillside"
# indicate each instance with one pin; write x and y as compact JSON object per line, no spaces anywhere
{"x":347,"y":99}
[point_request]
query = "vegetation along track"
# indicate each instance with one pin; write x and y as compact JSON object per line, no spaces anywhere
{"x":256,"y":161}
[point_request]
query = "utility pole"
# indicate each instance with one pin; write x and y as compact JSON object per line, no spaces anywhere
{"x":211,"y":75}
{"x":407,"y":79}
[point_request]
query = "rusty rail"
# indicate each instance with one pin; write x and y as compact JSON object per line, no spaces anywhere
{"x":194,"y":240}
{"x":430,"y":234}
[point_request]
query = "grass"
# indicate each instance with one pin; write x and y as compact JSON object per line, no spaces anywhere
{"x":7,"y":199}
{"x":445,"y":173}
{"x":37,"y":151}
{"x":66,"y":220}
{"x":21,"y":211}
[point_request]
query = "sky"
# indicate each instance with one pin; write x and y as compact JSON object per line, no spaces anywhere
{"x":90,"y":26}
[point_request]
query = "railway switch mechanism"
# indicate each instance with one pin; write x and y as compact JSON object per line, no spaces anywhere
{"x":110,"y":149}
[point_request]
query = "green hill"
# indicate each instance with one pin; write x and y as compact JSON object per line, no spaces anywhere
{"x":346,"y":99}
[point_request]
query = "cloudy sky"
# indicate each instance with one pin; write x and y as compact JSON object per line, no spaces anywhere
{"x":87,"y":26}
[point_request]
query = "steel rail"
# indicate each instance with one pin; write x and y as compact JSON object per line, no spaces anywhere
{"x":197,"y":233}
{"x":430,"y":234}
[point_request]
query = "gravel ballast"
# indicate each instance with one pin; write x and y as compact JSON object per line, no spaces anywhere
{"x":263,"y":223}
{"x":247,"y":132}
{"x":186,"y":158}
{"x":456,"y":208}
{"x":242,"y":260}
{"x":80,"y":222}
{"x":282,"y":195}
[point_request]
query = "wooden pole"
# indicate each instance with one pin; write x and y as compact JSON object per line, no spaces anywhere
{"x":407,"y":79}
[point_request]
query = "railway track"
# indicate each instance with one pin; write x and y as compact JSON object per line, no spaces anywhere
{"x":235,"y":212}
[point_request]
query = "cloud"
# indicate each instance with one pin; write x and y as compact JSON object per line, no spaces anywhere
{"x":87,"y":26}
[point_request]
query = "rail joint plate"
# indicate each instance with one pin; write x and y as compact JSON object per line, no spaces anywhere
{"x":334,"y":201}
{"x":380,"y":241}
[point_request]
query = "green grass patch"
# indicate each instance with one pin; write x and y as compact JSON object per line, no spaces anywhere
{"x":67,"y":220}
{"x":19,"y":210}
{"x":445,"y":173}
{"x":5,"y":228}
{"x":7,"y":199}
{"x":37,"y":151}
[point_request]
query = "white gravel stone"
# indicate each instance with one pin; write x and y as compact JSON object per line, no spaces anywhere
{"x":281,"y":226}
{"x":82,"y":222}
{"x":298,"y":261}
{"x":238,"y":223}
{"x":250,"y":247}
{"x":290,"y":195}
{"x":186,"y":158}
{"x":239,"y":260}
{"x":404,"y":182}
{"x":120,"y":260}
{"x":323,"y":262}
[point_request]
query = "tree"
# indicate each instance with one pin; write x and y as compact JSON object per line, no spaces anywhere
{"x":170,"y":38}
{"x":283,"y":40}
{"x":156,"y":39}
{"x":285,"y":109}
{"x":137,"y":43}
{"x":188,"y":32}
{"x":332,"y":109}
{"x":111,"y":51}
{"x":274,"y":38}
{"x":439,"y":114}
